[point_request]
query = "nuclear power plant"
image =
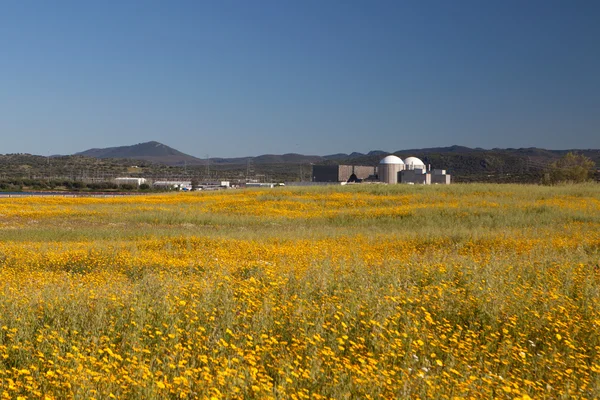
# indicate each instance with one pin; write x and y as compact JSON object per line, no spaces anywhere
{"x":391,"y":170}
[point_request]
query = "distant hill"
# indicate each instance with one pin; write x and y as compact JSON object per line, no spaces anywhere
{"x":148,"y":151}
{"x":532,"y":154}
{"x":157,"y":161}
{"x":159,"y":153}
{"x":464,"y":163}
{"x":289,"y":158}
{"x":354,"y":155}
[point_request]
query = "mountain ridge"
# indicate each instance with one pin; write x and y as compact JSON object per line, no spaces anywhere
{"x":524,"y":165}
{"x":157,"y":152}
{"x":152,"y":151}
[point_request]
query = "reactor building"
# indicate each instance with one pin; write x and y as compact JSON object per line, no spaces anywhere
{"x":391,"y":170}
{"x":412,"y":170}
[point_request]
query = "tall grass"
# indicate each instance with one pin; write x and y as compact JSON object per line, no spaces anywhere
{"x":482,"y":291}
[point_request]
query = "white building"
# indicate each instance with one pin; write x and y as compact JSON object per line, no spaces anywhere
{"x":178,"y":185}
{"x":130,"y":181}
{"x":260,"y":184}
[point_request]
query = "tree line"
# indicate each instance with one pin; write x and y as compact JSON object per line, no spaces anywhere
{"x":16,"y":185}
{"x":575,"y":168}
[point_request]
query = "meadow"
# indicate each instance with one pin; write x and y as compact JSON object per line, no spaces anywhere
{"x":363,"y":292}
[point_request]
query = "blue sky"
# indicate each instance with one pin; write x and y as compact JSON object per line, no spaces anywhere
{"x":235,"y":78}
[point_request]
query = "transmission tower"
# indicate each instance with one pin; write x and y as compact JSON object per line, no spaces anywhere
{"x":250,"y":172}
{"x":207,"y":167}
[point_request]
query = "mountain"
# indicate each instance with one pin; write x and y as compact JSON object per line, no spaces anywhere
{"x":157,"y":161}
{"x":465,"y":163}
{"x":288,"y":158}
{"x":337,"y":156}
{"x":159,"y":153}
{"x":148,"y":151}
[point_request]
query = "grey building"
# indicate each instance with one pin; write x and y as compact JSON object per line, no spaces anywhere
{"x":341,"y":173}
{"x":389,"y":169}
{"x":439,"y":176}
{"x":415,"y":176}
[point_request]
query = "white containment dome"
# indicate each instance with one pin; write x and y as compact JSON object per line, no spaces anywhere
{"x":414,"y":163}
{"x":391,"y":159}
{"x":388,"y":169}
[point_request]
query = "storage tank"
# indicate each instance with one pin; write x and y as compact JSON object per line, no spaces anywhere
{"x":388,"y":169}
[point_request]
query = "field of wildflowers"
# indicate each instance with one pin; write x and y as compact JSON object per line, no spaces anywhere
{"x":464,"y":291}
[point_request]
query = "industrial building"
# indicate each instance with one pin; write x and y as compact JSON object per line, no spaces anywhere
{"x":411,"y":171}
{"x":176,"y":185}
{"x":187,"y":185}
{"x":130,"y":181}
{"x":342,"y":173}
{"x":261,"y":184}
{"x":391,"y":170}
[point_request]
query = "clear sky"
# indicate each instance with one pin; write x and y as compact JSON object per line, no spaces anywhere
{"x":233,"y":78}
